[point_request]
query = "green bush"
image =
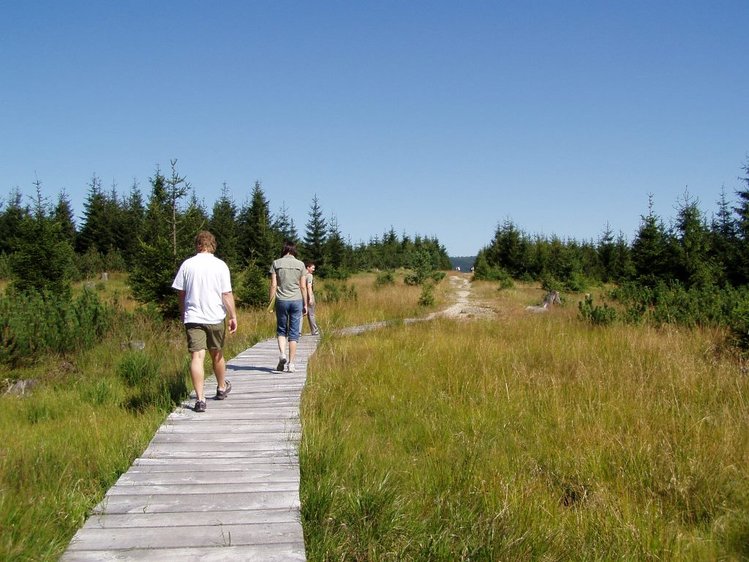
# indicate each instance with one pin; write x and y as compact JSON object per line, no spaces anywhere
{"x":413,"y":278}
{"x":32,"y":324}
{"x":427,"y":295}
{"x":5,"y":271}
{"x":505,"y":281}
{"x":252,"y":287}
{"x":438,"y":276}
{"x":597,"y":315}
{"x":385,"y":278}
{"x":739,"y":322}
{"x":336,"y":292}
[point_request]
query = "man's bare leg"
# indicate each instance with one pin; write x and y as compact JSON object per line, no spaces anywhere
{"x":197,"y":373}
{"x":219,"y":367}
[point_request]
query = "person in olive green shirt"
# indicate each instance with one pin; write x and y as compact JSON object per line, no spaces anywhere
{"x":288,"y":285}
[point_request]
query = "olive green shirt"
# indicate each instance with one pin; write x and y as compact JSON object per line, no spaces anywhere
{"x":289,"y":271}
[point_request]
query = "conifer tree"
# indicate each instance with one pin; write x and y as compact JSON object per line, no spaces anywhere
{"x":336,"y":252}
{"x":257,"y":241}
{"x":97,"y":230}
{"x":43,"y":259}
{"x":315,"y":237}
{"x":13,"y":215}
{"x":133,"y":213}
{"x":284,"y":227}
{"x":156,"y":262}
{"x":63,"y":215}
{"x":223,"y":225}
{"x":742,"y":228}
{"x":693,"y":260}
{"x":650,"y":249}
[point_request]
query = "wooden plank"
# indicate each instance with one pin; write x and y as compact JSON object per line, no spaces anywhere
{"x":286,"y":552}
{"x":219,"y":485}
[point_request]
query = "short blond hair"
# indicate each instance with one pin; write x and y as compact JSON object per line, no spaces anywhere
{"x":205,"y":241}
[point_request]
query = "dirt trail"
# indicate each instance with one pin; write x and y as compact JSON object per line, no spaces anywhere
{"x":464,"y":307}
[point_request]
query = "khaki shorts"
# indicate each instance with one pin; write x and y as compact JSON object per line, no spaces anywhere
{"x":205,"y":336}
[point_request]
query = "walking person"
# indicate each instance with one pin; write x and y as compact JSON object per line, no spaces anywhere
{"x":203,"y":283}
{"x":288,"y":285}
{"x":310,"y":266}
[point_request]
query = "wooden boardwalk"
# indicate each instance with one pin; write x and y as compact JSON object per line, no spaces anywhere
{"x":219,"y":485}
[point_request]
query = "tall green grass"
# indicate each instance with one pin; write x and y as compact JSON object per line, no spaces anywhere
{"x":528,"y":437}
{"x":89,"y":415}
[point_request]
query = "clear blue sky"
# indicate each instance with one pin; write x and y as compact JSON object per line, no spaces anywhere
{"x":436,"y":118}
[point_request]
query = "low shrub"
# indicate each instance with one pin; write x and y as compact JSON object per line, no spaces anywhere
{"x":385,"y":278}
{"x":332,"y":291}
{"x":427,"y":295}
{"x":597,"y":315}
{"x":32,"y":324}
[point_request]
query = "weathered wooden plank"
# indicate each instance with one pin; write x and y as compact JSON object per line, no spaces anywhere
{"x":216,"y":488}
{"x":187,"y":536}
{"x":282,"y":552}
{"x":261,"y":473}
{"x":237,"y":517}
{"x":181,"y":503}
{"x":155,"y":464}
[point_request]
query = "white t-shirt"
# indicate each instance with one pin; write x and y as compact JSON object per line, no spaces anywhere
{"x":204,"y":278}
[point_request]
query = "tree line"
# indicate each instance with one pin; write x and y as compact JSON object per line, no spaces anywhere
{"x":693,"y":271}
{"x":43,"y":250}
{"x":694,"y":250}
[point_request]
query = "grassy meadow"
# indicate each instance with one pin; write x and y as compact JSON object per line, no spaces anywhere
{"x":520,"y":437}
{"x":81,"y":426}
{"x":525,"y":437}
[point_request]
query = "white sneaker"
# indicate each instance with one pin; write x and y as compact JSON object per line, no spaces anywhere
{"x":292,"y":368}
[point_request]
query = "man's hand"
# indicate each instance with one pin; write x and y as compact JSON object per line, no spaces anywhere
{"x":232,"y":325}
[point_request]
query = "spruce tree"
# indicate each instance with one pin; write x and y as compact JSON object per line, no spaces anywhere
{"x":158,"y":258}
{"x":650,"y":249}
{"x":63,"y":216}
{"x":257,"y":241}
{"x":97,"y":230}
{"x":336,"y":251}
{"x":43,"y":259}
{"x":223,"y":225}
{"x":13,"y":215}
{"x":133,"y":214}
{"x":315,"y":237}
{"x":284,"y":227}
{"x":742,"y":229}
{"x":692,"y":251}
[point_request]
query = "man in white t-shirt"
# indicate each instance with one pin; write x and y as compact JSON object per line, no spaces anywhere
{"x":205,"y":299}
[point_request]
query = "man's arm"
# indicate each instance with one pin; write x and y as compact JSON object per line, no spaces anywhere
{"x":231,"y":312}
{"x":303,"y":287}
{"x":310,"y":295}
